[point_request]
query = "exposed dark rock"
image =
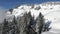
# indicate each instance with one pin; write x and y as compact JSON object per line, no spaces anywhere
{"x":37,"y":8}
{"x":11,"y":10}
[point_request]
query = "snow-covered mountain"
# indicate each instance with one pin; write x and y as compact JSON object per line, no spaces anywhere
{"x":50,"y":10}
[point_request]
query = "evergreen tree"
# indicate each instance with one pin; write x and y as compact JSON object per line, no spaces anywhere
{"x":15,"y":27}
{"x":23,"y":24}
{"x":14,"y":20}
{"x":46,"y":26}
{"x":30,"y":21}
{"x":5,"y":27}
{"x":39,"y":24}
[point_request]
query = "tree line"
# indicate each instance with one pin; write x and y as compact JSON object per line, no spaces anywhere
{"x":25,"y":24}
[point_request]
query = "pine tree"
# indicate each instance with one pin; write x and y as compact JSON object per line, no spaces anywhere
{"x":14,"y":20}
{"x":23,"y":23}
{"x":26,"y":21}
{"x":39,"y":24}
{"x":15,"y":27}
{"x":46,"y":26}
{"x":5,"y":27}
{"x":30,"y":21}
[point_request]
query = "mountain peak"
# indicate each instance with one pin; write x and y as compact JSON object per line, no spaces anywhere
{"x":50,"y":11}
{"x":35,"y":9}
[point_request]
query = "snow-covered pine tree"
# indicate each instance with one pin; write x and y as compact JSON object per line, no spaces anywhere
{"x":5,"y":27}
{"x":15,"y":29}
{"x":46,"y":26}
{"x":39,"y":24}
{"x":30,"y":21}
{"x":23,"y":23}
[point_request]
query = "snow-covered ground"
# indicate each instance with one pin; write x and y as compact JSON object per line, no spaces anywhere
{"x":50,"y":11}
{"x":55,"y":18}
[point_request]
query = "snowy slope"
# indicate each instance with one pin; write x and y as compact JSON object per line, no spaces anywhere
{"x":50,"y":10}
{"x":55,"y":18}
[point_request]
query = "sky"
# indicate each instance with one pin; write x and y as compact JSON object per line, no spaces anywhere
{"x":7,"y":4}
{"x":2,"y":14}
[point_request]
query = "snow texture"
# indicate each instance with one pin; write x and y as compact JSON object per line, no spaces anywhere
{"x":50,"y":10}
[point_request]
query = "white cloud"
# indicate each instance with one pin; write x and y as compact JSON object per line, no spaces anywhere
{"x":2,"y":14}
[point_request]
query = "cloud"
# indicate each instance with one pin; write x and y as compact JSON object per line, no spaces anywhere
{"x":2,"y":14}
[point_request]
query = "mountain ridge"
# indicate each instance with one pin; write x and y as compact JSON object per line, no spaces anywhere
{"x":50,"y":11}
